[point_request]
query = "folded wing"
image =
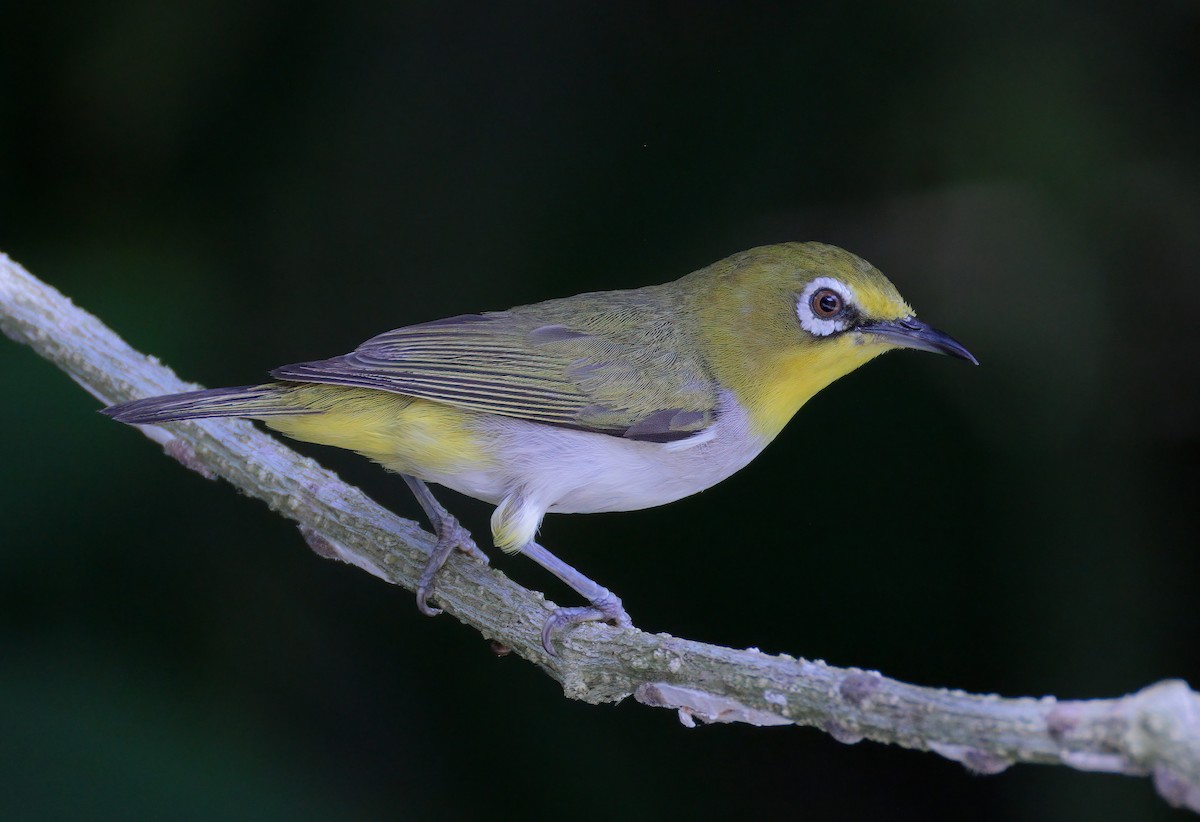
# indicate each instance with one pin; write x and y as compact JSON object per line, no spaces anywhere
{"x":614,"y":370}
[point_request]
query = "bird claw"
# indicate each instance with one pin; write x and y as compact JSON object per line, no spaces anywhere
{"x":605,"y":608}
{"x":423,"y":591}
{"x":467,"y":545}
{"x":451,"y":535}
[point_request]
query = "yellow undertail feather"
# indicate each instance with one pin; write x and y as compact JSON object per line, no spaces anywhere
{"x":402,"y":433}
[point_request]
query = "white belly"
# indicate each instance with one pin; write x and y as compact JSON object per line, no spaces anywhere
{"x":542,"y":468}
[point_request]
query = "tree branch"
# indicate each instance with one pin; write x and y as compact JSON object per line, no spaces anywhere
{"x":1155,"y":731}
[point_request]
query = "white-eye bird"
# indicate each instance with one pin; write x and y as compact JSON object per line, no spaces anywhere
{"x":607,"y":401}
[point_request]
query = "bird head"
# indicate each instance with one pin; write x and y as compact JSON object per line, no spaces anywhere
{"x":781,"y":322}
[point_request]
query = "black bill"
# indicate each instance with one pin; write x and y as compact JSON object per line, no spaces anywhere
{"x":910,"y":332}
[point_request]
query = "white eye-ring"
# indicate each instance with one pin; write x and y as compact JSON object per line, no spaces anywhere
{"x":823,"y":307}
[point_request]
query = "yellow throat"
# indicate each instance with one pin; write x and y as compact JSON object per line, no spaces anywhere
{"x":746,"y":311}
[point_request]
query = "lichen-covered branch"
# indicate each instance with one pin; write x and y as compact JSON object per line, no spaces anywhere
{"x":1154,"y":732}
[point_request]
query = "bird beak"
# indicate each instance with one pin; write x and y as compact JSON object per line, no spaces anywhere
{"x":909,"y":332}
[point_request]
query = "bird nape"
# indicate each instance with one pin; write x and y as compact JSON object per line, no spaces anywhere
{"x":608,"y":401}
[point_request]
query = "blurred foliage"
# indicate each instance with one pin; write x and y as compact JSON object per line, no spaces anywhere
{"x":236,"y":185}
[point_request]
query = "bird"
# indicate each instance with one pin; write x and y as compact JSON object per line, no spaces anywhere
{"x":604,"y":401}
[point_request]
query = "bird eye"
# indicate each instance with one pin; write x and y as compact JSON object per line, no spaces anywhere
{"x":826,"y":303}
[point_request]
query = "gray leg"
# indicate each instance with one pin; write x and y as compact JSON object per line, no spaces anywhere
{"x":450,"y":535}
{"x":605,"y":605}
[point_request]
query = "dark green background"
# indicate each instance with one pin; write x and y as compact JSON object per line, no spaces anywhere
{"x":235,"y":185}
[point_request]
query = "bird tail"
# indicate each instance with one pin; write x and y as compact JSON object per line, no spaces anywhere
{"x":256,"y":401}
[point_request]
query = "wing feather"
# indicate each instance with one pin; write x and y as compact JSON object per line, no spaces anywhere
{"x":594,"y":373}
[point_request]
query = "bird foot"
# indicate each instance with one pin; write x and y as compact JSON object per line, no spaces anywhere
{"x":606,"y":607}
{"x":450,"y":535}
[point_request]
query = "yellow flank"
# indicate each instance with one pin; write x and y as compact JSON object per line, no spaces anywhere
{"x":408,"y":435}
